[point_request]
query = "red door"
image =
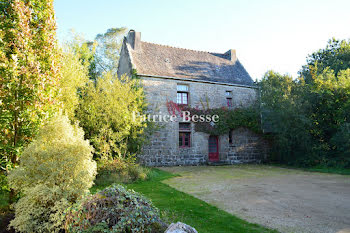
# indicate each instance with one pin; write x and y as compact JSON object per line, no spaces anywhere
{"x":213,"y":148}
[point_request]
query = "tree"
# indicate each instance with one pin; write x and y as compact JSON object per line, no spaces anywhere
{"x":310,"y":116}
{"x":74,"y":76}
{"x":106,"y":113}
{"x":56,"y":170}
{"x":336,"y":56}
{"x":330,"y":111}
{"x":29,"y":71}
{"x":107,"y":50}
{"x":327,"y":76}
{"x":282,"y":99}
{"x":86,"y":51}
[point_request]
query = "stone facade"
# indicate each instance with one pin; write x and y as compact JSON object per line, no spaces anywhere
{"x":208,"y":77}
{"x":246,"y":147}
{"x":163,"y":148}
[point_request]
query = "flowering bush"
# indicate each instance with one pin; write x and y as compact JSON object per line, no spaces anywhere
{"x":56,"y":169}
{"x":114,"y":209}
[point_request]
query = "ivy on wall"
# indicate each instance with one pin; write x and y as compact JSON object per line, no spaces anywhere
{"x":229,"y":119}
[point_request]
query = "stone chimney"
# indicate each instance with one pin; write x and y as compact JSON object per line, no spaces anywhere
{"x":231,"y":55}
{"x":134,"y":39}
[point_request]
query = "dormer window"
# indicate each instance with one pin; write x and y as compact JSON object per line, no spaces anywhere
{"x":182,"y":94}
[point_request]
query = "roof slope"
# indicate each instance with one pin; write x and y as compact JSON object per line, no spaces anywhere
{"x":161,"y":60}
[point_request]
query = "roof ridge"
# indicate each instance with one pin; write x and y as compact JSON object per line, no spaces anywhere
{"x":199,"y":51}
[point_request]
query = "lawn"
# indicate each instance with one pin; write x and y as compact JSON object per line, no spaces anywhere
{"x":178,"y":206}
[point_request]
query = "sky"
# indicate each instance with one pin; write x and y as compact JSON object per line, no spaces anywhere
{"x":267,"y":35}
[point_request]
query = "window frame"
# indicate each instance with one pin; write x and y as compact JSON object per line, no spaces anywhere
{"x":185,"y":133}
{"x":182,"y":99}
{"x":183,"y":90}
{"x":229,"y":102}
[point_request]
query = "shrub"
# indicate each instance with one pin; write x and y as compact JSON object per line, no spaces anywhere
{"x":106,"y":114}
{"x":56,"y":169}
{"x":341,"y":141}
{"x":120,"y":170}
{"x":114,"y":209}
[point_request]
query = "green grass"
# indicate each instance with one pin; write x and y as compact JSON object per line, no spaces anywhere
{"x":179,"y":206}
{"x":322,"y":169}
{"x":341,"y":171}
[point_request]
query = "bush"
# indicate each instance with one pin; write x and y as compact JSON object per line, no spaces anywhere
{"x":56,"y":170}
{"x":341,"y":141}
{"x":114,"y":209}
{"x":120,"y":170}
{"x":106,"y":113}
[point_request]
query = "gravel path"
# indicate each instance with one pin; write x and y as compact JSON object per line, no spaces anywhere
{"x":285,"y":199}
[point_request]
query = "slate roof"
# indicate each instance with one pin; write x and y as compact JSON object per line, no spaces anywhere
{"x":161,"y":60}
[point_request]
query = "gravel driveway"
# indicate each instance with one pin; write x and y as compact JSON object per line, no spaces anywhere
{"x":285,"y":199}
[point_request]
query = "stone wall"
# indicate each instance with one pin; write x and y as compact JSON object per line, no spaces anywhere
{"x":163,"y":147}
{"x":247,"y":147}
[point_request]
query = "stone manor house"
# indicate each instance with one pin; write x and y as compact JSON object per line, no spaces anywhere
{"x":188,"y":77}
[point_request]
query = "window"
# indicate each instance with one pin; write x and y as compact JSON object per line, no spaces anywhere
{"x":183,"y":88}
{"x":184,"y":135}
{"x":230,"y":137}
{"x":182,"y":98}
{"x":229,"y":99}
{"x":182,"y":94}
{"x":229,"y":102}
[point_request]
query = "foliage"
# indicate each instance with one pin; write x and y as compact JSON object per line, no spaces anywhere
{"x":330,"y":98}
{"x":5,"y":166}
{"x":56,"y":170}
{"x":113,"y":209}
{"x":311,"y":115}
{"x":108,"y":47}
{"x":28,"y":72}
{"x":74,"y":76}
{"x":3,"y":183}
{"x":124,"y":170}
{"x":229,"y":119}
{"x":341,"y":143}
{"x":336,"y":56}
{"x":86,"y":51}
{"x":106,"y":115}
{"x":282,"y":106}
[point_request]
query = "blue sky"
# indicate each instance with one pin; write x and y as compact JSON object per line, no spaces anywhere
{"x":267,"y":35}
